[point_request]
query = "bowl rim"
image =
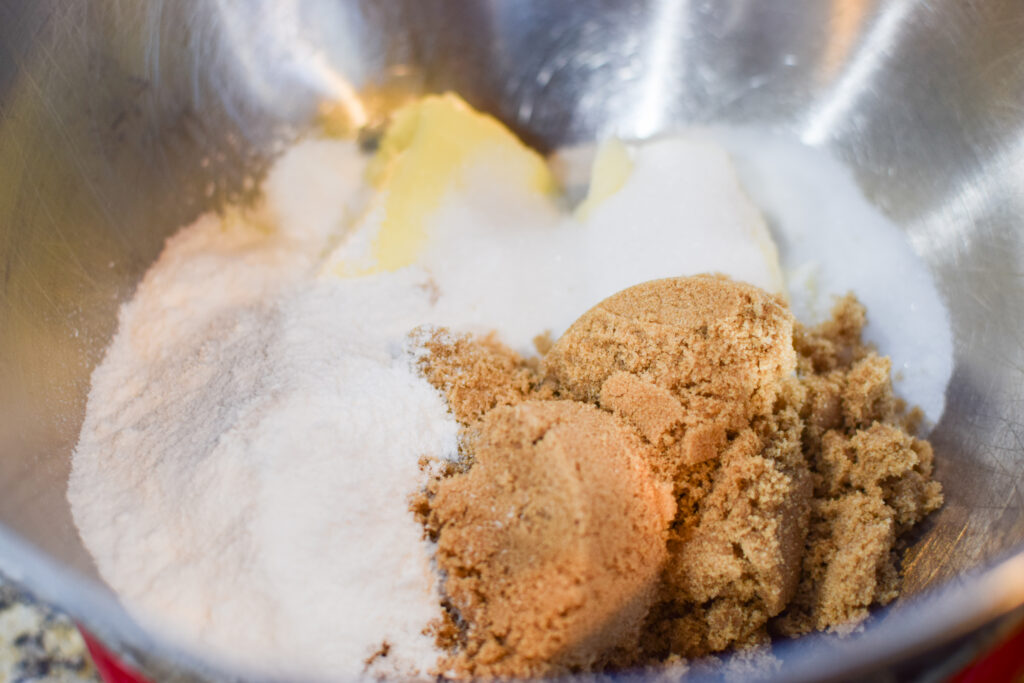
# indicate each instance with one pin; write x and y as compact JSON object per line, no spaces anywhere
{"x":909,"y":627}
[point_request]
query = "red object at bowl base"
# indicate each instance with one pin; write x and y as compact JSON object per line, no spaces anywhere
{"x":1004,"y":663}
{"x":110,"y":668}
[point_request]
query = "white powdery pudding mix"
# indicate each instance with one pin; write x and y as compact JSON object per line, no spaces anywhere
{"x":256,"y":428}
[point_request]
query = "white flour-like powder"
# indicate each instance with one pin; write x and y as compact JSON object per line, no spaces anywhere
{"x":250,"y":444}
{"x":245,"y":476}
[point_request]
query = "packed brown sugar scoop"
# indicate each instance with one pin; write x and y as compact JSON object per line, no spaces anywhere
{"x":686,"y":471}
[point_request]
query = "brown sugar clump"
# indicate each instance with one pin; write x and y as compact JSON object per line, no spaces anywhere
{"x":872,"y":478}
{"x":743,"y":554}
{"x":475,"y":375}
{"x":719,"y":346}
{"x":676,"y":438}
{"x":691,"y":363}
{"x":553,"y":543}
{"x":792,"y":469}
{"x":835,"y":343}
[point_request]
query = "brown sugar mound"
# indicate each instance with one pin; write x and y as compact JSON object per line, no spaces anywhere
{"x":740,"y":562}
{"x":872,"y":478}
{"x":793,"y":478}
{"x":697,"y":366}
{"x":719,"y":346}
{"x":475,"y":375}
{"x":553,"y":543}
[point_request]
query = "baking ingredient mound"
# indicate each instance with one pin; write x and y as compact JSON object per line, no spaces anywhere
{"x":258,"y":422}
{"x":765,"y":477}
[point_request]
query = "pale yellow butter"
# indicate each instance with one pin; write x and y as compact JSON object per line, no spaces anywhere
{"x":430,"y":149}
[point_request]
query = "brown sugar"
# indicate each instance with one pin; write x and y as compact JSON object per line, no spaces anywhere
{"x":792,"y":473}
{"x":662,"y":421}
{"x":552,"y":543}
{"x":475,"y":374}
{"x":719,"y":346}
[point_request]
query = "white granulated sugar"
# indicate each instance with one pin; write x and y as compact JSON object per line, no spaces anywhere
{"x":833,"y":241}
{"x":519,"y":266}
{"x":315,"y":190}
{"x":254,"y":433}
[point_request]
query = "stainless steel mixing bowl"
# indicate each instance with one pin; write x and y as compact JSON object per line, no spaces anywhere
{"x":121,"y":120}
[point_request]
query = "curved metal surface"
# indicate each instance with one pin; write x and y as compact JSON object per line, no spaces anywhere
{"x":120,"y":121}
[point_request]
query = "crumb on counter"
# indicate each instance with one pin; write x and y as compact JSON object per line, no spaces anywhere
{"x":39,"y":644}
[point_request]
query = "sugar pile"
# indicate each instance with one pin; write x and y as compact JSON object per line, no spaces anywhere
{"x":254,"y":432}
{"x":833,"y":241}
{"x":522,"y":271}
